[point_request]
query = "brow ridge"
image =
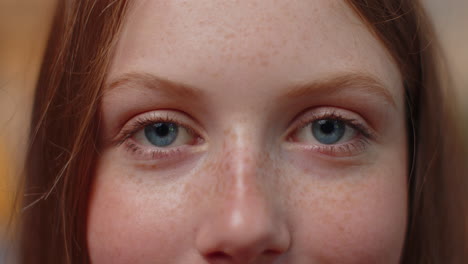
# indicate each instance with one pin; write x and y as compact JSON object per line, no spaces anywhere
{"x":336,"y":84}
{"x":328,"y":86}
{"x":153,"y":82}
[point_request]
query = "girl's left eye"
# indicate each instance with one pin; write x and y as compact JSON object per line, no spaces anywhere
{"x":163,"y":135}
{"x":326,"y":131}
{"x":333,"y":133}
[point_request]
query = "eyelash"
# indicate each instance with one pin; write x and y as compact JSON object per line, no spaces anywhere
{"x":352,"y":147}
{"x":152,"y":153}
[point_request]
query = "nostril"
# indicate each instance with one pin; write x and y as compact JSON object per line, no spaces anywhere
{"x":218,"y":256}
{"x":273,"y":252}
{"x":223,"y":257}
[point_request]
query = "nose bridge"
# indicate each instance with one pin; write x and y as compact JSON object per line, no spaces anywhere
{"x":241,"y":156}
{"x":242,"y":224}
{"x":244,"y":196}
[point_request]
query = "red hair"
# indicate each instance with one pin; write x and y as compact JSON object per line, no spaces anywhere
{"x":65,"y":123}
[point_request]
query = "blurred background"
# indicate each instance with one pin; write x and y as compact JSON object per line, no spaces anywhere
{"x":24,"y":26}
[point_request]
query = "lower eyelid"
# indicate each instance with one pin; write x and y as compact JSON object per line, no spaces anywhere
{"x":150,"y":153}
{"x":344,"y":150}
{"x":354,"y":147}
{"x":351,"y":148}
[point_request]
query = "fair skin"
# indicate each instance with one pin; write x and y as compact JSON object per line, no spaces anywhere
{"x":246,"y":178}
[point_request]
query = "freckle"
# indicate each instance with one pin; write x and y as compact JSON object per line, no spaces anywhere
{"x":306,"y":188}
{"x":215,"y":74}
{"x":229,"y":36}
{"x":232,"y":136}
{"x":137,"y":180}
{"x":258,"y":29}
{"x":194,"y":192}
{"x":186,"y":188}
{"x":277,"y":172}
{"x":341,"y":228}
{"x":227,"y":166}
{"x":246,"y":160}
{"x":210,"y":166}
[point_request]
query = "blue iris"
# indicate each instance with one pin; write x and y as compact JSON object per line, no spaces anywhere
{"x":161,"y":134}
{"x":328,"y":131}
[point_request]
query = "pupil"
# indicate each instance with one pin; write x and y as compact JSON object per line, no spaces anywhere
{"x":161,"y":129}
{"x":161,"y":134}
{"x":327,"y":126}
{"x":328,"y":131}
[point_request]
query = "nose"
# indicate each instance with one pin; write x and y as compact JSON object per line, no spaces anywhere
{"x":243,"y":224}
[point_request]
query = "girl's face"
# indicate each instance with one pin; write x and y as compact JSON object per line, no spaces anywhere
{"x":250,"y":132}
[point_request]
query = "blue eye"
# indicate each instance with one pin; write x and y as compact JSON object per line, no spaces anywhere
{"x":328,"y":131}
{"x":161,"y":134}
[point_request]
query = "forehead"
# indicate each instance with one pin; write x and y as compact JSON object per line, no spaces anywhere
{"x":232,"y":44}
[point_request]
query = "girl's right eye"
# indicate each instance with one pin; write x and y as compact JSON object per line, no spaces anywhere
{"x":163,"y":135}
{"x":158,"y":135}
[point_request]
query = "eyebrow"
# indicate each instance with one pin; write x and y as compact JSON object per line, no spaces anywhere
{"x":150,"y":81}
{"x":331,"y":85}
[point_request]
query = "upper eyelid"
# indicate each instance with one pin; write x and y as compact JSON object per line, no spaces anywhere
{"x":307,"y":116}
{"x":134,"y":124}
{"x":189,"y":123}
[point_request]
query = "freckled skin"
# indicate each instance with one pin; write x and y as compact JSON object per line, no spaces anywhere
{"x":249,"y":196}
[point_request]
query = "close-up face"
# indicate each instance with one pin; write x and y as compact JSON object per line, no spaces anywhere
{"x":249,"y":132}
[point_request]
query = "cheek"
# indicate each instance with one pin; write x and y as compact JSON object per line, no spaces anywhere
{"x":335,"y":214}
{"x":360,"y":218}
{"x":132,"y":221}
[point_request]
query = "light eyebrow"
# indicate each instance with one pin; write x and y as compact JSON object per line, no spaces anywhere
{"x":349,"y":81}
{"x":150,"y":81}
{"x":329,"y":86}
